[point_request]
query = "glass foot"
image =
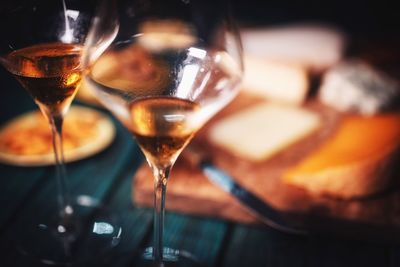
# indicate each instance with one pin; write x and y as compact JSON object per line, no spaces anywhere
{"x":89,"y":232}
{"x":171,"y":257}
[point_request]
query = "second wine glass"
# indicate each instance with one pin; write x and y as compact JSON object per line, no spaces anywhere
{"x":171,"y":67}
{"x":42,"y":46}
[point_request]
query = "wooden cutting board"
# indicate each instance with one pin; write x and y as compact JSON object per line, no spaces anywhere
{"x":190,"y":192}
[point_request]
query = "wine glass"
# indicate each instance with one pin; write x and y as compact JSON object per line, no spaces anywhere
{"x":172,"y":65}
{"x":42,"y":46}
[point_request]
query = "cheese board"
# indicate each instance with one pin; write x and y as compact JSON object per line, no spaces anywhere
{"x":365,"y":194}
{"x":318,"y":143}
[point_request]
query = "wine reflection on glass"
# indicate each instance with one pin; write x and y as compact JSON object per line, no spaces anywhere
{"x":171,"y":67}
{"x":42,"y":47}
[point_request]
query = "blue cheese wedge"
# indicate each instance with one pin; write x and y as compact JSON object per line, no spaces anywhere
{"x":357,"y":87}
{"x":261,"y":131}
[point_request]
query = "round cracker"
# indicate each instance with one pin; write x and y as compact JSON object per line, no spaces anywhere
{"x":98,"y":137}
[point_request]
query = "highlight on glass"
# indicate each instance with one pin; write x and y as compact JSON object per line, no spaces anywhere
{"x":168,"y":67}
{"x":41,"y":45}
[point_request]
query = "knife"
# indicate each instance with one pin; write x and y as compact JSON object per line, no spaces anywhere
{"x":252,"y":203}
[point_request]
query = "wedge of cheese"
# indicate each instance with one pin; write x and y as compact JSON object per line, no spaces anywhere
{"x":354,"y":162}
{"x":281,"y":82}
{"x":261,"y":131}
{"x":355,"y":86}
{"x":315,"y":47}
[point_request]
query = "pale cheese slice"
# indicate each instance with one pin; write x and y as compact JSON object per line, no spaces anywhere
{"x":276,"y":81}
{"x":263,"y":130}
{"x":314,"y":46}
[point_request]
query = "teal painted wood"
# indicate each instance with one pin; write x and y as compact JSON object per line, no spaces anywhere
{"x":16,"y":185}
{"x":263,"y":246}
{"x":200,"y":237}
{"x":135,"y":223}
{"x":108,"y":177}
{"x":203,"y":237}
{"x":93,"y":176}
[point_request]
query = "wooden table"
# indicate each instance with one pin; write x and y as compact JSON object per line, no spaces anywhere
{"x":24,"y":191}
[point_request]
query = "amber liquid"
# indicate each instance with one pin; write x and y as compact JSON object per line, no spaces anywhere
{"x":162,"y":126}
{"x":146,"y":89}
{"x":51,"y":73}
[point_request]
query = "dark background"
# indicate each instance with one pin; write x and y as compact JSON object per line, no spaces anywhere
{"x":371,"y":18}
{"x":373,"y":28}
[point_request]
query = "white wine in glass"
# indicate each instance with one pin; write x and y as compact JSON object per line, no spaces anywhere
{"x":51,"y":73}
{"x":171,"y":67}
{"x":42,"y":47}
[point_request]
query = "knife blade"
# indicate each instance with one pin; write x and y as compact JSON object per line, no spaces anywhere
{"x":248,"y":200}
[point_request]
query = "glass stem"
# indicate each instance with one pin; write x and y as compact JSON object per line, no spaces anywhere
{"x":65,"y":208}
{"x":160,"y":186}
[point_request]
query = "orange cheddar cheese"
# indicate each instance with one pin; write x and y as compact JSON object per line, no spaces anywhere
{"x":354,"y":162}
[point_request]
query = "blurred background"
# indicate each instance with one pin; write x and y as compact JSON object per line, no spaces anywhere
{"x":372,"y":28}
{"x":371,"y":18}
